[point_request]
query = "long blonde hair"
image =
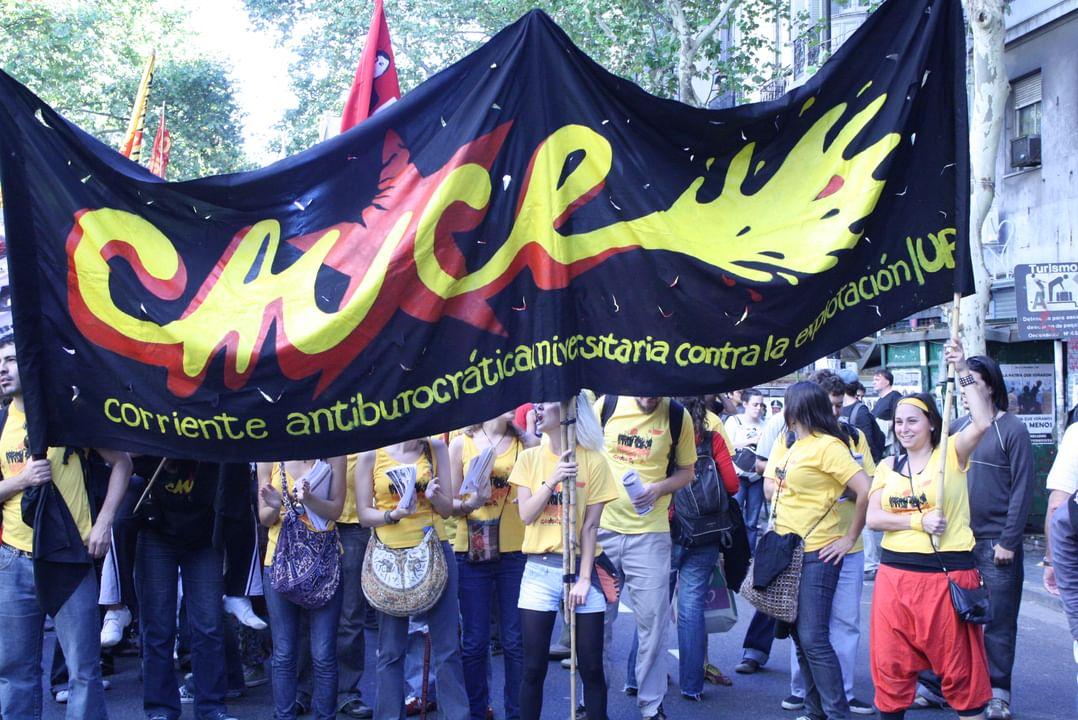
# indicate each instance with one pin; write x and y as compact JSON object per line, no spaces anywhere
{"x":589,"y":433}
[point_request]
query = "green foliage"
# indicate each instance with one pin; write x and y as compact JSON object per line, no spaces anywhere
{"x":86,"y":60}
{"x":632,"y":38}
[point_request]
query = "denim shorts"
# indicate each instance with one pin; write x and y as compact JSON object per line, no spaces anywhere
{"x":541,"y":589}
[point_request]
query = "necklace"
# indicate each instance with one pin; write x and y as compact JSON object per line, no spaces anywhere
{"x":491,"y":443}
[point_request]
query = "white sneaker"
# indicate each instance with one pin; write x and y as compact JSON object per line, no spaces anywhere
{"x":62,"y":696}
{"x":112,"y":629}
{"x":241,"y":608}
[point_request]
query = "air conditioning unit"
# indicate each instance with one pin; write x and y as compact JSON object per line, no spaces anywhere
{"x":1026,"y":151}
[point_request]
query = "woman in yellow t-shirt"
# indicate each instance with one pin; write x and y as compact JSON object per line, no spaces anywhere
{"x":379,"y":507}
{"x":275,"y":479}
{"x":491,"y":515}
{"x":538,"y":475}
{"x":808,"y":478}
{"x":913,"y":625}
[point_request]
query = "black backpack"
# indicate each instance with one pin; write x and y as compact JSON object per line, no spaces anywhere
{"x":702,"y":513}
{"x":877,"y":441}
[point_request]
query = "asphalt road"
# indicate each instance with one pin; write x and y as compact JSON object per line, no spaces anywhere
{"x":1044,"y":685}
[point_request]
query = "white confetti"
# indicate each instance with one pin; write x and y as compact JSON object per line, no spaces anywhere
{"x":298,"y":205}
{"x":40,"y":118}
{"x":69,"y":351}
{"x":913,"y":138}
{"x":617,"y":308}
{"x":496,"y":106}
{"x":924,"y":78}
{"x":493,"y":66}
{"x":74,"y":393}
{"x":268,"y":398}
{"x":615,"y":205}
{"x":443,"y":120}
{"x":506,"y":179}
{"x":605,"y":122}
{"x":86,"y":179}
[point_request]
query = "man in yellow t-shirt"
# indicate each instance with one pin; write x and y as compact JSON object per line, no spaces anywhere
{"x":71,"y":602}
{"x":639,"y":438}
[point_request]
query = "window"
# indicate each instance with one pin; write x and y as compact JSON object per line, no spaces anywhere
{"x":1027,"y":106}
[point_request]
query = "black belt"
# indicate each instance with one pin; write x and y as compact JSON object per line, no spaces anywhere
{"x":21,"y":553}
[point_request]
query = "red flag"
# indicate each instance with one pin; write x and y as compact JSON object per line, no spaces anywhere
{"x":376,"y":83}
{"x":162,"y":143}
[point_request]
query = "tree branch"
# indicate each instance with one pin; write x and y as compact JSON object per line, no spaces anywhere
{"x":704,"y":35}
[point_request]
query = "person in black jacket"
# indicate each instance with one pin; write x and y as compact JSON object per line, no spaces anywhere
{"x":177,"y":538}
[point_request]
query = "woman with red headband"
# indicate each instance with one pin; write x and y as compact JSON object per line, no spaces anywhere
{"x":914,"y":625}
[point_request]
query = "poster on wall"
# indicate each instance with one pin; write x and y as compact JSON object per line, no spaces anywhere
{"x":1047,"y":300}
{"x":1031,"y":390}
{"x":907,"y":380}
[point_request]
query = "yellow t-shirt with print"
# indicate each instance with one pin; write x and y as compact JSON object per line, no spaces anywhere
{"x":640,"y":441}
{"x":68,"y":479}
{"x":594,"y":484}
{"x":895,"y":497}
{"x":275,"y":529}
{"x":715,"y":424}
{"x":847,"y":507}
{"x":502,"y":503}
{"x":811,"y":475}
{"x":410,"y":530}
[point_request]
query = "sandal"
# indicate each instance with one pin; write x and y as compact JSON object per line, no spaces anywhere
{"x":714,"y":676}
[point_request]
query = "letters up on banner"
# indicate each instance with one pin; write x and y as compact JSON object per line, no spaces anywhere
{"x":521,"y":225}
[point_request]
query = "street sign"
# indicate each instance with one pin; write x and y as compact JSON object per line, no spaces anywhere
{"x":1047,"y":300}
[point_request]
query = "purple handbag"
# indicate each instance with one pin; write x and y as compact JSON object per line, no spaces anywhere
{"x":306,"y":567}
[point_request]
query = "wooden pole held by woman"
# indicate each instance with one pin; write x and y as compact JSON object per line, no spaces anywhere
{"x":948,"y":405}
{"x":568,"y":510}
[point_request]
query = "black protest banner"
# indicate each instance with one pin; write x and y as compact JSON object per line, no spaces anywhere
{"x":521,"y":225}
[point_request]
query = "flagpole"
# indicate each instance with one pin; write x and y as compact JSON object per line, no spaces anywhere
{"x":130,"y":148}
{"x":948,"y":406}
{"x":568,"y":508}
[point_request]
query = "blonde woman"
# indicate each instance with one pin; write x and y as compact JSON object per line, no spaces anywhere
{"x":539,"y":475}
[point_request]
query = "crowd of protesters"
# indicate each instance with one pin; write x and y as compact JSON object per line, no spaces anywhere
{"x":228,"y":576}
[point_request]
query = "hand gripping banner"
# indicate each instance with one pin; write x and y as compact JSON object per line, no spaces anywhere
{"x":519,"y":226}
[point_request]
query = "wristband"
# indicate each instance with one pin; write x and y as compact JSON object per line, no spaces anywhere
{"x":916,"y":522}
{"x":388,"y":517}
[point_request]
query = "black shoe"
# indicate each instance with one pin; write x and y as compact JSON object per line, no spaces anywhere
{"x":747,"y":667}
{"x":356,"y":709}
{"x":793,"y":702}
{"x":581,"y":713}
{"x":302,"y":708}
{"x":630,"y":690}
{"x":660,"y":714}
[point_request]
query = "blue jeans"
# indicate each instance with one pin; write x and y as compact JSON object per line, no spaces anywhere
{"x":691,"y":568}
{"x":758,"y":638}
{"x":477,"y":583}
{"x":444,"y":622}
{"x":351,"y":641}
{"x":845,"y":625}
{"x":78,"y":630}
{"x":157,"y":563}
{"x":1004,"y":583}
{"x":825,"y":695}
{"x":751,"y":498}
{"x":284,"y":627}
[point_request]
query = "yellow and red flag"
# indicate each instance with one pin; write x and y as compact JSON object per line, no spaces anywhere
{"x":162,"y":144}
{"x":132,"y":144}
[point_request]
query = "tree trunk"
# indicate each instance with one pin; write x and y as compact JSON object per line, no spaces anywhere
{"x":990,"y":89}
{"x":686,"y":54}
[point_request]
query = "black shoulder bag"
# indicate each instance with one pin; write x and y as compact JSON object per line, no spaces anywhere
{"x":971,"y":604}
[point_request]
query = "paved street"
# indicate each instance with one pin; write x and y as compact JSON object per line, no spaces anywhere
{"x":1044,"y":683}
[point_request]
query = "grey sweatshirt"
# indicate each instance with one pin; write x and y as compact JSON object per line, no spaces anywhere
{"x":1000,"y":481}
